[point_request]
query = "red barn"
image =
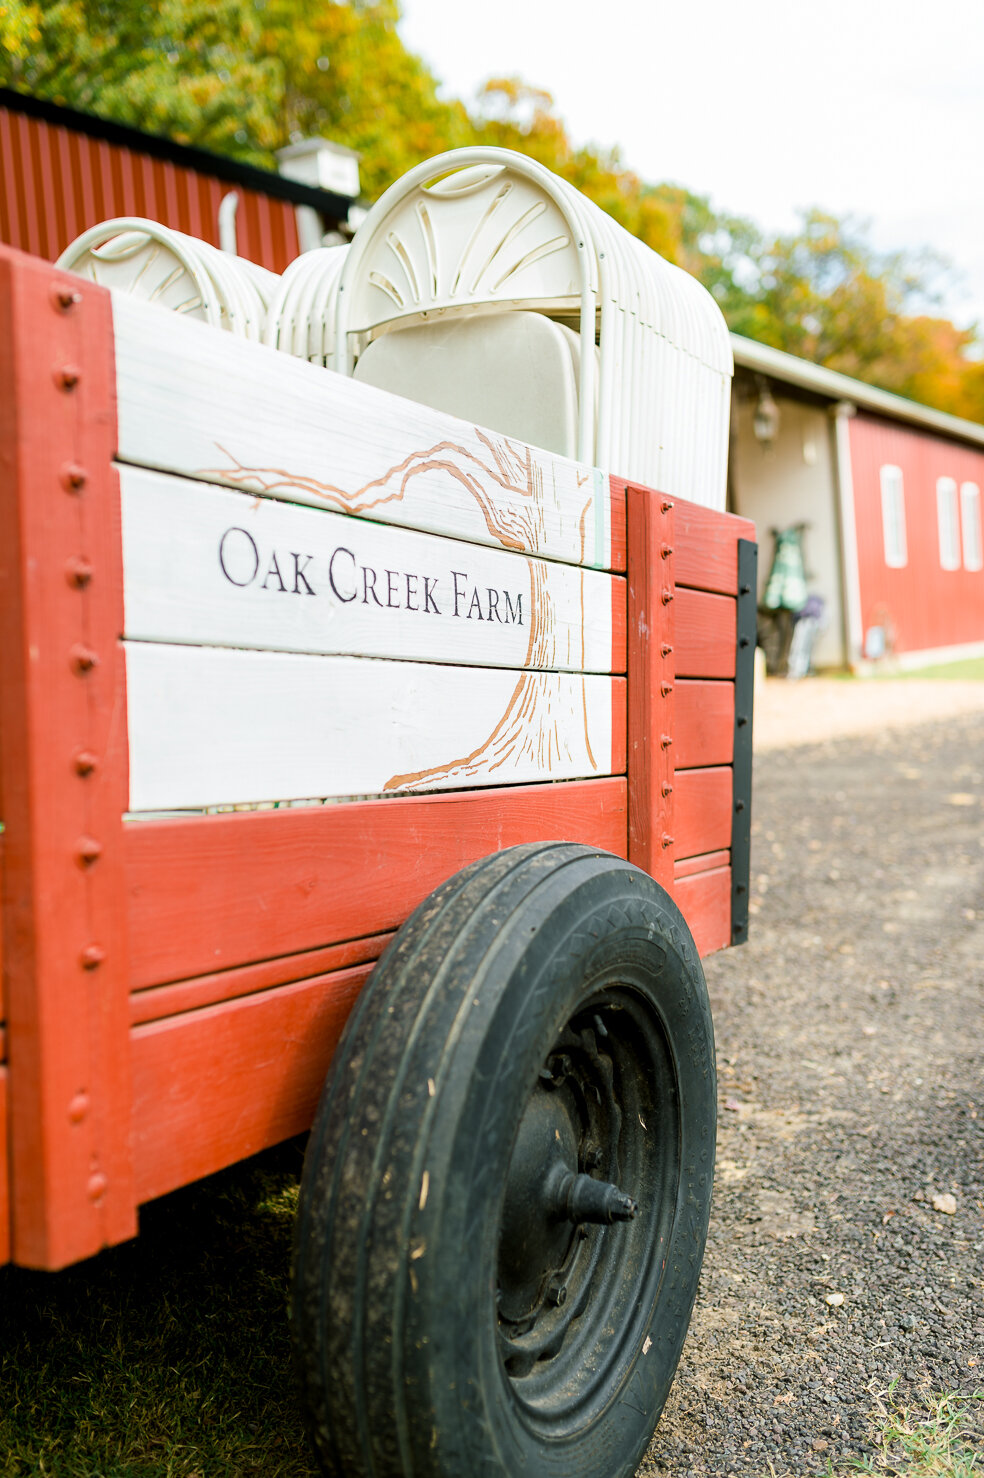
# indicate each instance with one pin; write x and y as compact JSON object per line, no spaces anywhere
{"x":889,"y":492}
{"x":62,"y":171}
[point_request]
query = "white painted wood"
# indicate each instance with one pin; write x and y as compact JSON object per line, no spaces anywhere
{"x":209,"y":726}
{"x":208,"y":566}
{"x":204,"y":405}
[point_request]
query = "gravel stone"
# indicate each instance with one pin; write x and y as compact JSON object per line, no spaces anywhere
{"x":850,"y":1034}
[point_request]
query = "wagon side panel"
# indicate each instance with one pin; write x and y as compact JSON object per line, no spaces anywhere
{"x":690,"y":681}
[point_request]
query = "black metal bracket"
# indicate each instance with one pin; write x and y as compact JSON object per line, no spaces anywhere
{"x":741,"y":819}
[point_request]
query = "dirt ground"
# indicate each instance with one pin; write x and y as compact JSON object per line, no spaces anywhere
{"x":847,"y":1240}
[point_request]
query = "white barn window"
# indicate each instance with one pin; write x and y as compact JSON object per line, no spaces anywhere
{"x":893,"y":517}
{"x":948,"y":523}
{"x":970,"y":517}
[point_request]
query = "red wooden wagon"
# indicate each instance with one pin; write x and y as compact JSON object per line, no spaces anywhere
{"x":520,"y":693}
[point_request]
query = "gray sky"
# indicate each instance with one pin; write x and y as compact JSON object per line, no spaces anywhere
{"x":860,"y":106}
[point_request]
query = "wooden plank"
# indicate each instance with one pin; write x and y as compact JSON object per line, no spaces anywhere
{"x":207,"y":893}
{"x":705,"y":634}
{"x":211,"y":567}
{"x":650,"y":607}
{"x":4,"y":1172}
{"x":705,"y":902}
{"x":703,"y":810}
{"x":706,"y":544}
{"x":62,"y":715}
{"x":210,"y":726}
{"x":3,"y":1014}
{"x":227,"y":985}
{"x":687,"y":866}
{"x":205,"y":405}
{"x":704,"y":716}
{"x":213,"y":1086}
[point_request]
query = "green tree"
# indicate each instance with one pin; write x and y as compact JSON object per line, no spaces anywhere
{"x":190,"y":69}
{"x":246,"y":76}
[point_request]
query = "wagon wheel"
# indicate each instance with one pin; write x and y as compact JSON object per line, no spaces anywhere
{"x":507,"y":1186}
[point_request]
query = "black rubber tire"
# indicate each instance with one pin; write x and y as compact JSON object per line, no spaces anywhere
{"x":397,"y":1333}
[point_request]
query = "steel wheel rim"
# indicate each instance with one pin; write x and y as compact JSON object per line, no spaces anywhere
{"x":564,"y":1369}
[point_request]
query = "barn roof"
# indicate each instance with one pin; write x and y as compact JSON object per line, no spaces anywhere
{"x":764,"y":360}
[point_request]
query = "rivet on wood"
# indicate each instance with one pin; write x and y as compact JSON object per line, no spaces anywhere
{"x":667,"y":840}
{"x":666,"y":507}
{"x":85,"y":762}
{"x":667,"y":596}
{"x":666,"y":689}
{"x":83,"y":659}
{"x":97,"y":1186}
{"x":78,"y":572}
{"x":666,"y":649}
{"x":87,"y":849}
{"x":666,"y":551}
{"x":665,"y":741}
{"x":666,"y":788}
{"x":73,"y":477}
{"x":66,"y":376}
{"x":64,"y":297}
{"x":78,"y":1108}
{"x":92,"y":956}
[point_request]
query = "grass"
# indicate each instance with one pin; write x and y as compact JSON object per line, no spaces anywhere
{"x":971,"y":669}
{"x":168,"y":1357}
{"x":941,"y":1438}
{"x":968,"y":669}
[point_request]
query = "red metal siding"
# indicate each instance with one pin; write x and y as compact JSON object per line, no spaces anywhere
{"x":925,"y":605}
{"x":56,"y":183}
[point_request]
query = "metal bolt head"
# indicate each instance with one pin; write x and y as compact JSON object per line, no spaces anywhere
{"x":66,"y":376}
{"x":73,"y":477}
{"x":64,"y":297}
{"x":557,"y":1292}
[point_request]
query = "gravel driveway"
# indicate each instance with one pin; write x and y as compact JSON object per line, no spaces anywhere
{"x":847,"y":1239}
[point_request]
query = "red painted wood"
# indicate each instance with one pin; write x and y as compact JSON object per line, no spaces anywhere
{"x":703,"y":810}
{"x":651,"y":607}
{"x":619,"y":592}
{"x":617,"y":490}
{"x":921,"y":606}
{"x":705,"y":723}
{"x":216,"y":1085}
{"x":705,"y":902}
{"x":687,"y":866}
{"x":707,"y":547}
{"x":3,"y":1014}
{"x":706,"y":634}
{"x":227,"y":985}
{"x":207,"y":893}
{"x":67,"y":1015}
{"x":4,"y":1174}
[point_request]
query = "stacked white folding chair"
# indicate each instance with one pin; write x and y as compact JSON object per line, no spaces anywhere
{"x":179,"y":272}
{"x":301,"y":314}
{"x":486,"y":231}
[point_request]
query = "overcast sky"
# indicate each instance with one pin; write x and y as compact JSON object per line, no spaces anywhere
{"x":860,"y":106}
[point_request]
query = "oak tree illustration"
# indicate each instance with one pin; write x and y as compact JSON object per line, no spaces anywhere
{"x":530,"y":728}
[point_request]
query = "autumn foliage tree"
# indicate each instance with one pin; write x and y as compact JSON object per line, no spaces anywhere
{"x":246,"y":76}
